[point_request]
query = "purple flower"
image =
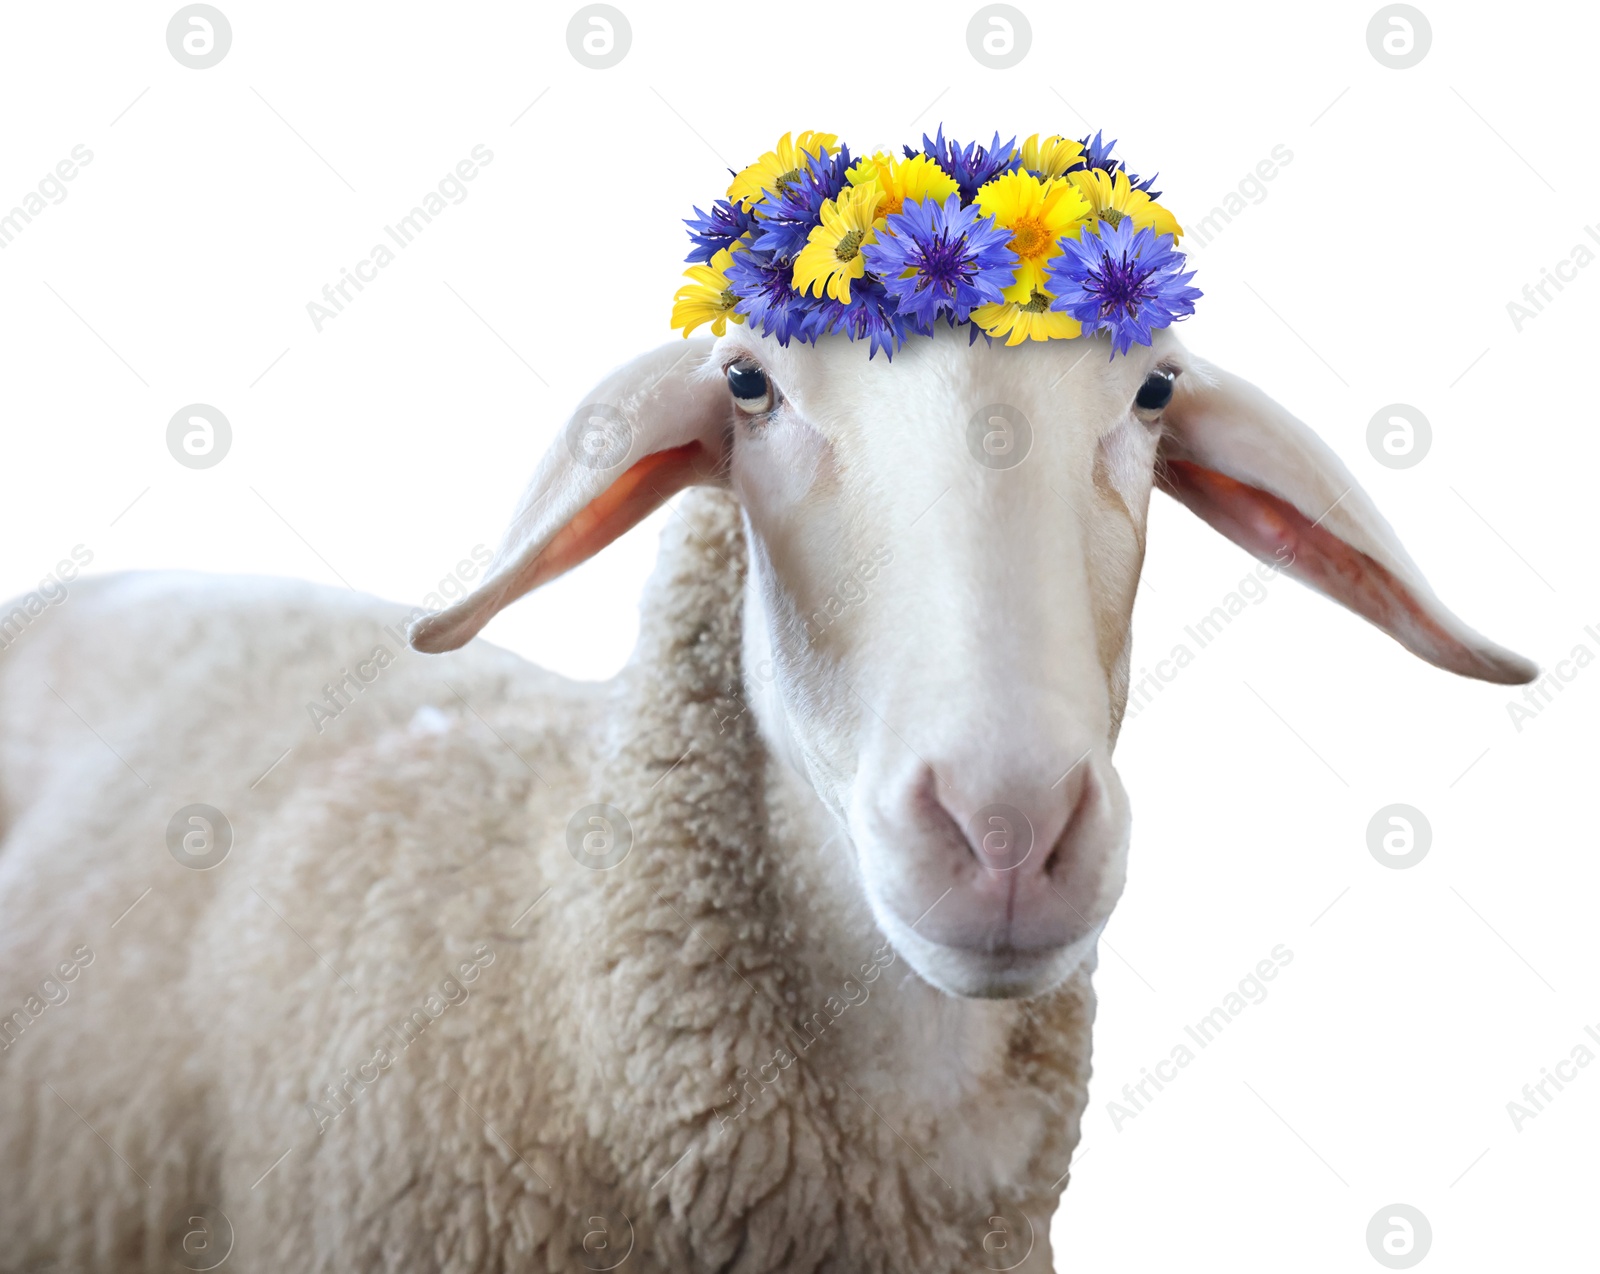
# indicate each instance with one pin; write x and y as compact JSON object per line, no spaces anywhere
{"x":720,"y":228}
{"x":871,"y":315}
{"x":971,"y":165}
{"x":941,"y":259}
{"x":1097,"y":154}
{"x":1128,"y":282}
{"x":767,"y":297}
{"x":786,"y":217}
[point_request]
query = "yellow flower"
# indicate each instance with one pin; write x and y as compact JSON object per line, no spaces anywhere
{"x":1032,"y":320}
{"x":778,"y":167}
{"x":900,"y":179}
{"x":1052,"y":157}
{"x":1037,"y":213}
{"x":708,"y":299}
{"x":1113,"y":198}
{"x":832,"y":255}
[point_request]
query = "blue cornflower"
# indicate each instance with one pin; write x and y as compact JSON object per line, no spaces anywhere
{"x":941,"y":259}
{"x":765,"y":288}
{"x":971,"y":165}
{"x":720,"y":228}
{"x":1097,"y":154}
{"x":787,"y":216}
{"x":871,"y":315}
{"x":1128,"y":282}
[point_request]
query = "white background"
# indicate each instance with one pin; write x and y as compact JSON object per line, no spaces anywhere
{"x":379,"y":451}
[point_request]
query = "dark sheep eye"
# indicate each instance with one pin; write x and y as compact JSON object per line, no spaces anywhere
{"x":751,"y":390}
{"x":1155,"y":393}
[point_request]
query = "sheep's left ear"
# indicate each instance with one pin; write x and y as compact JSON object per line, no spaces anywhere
{"x":647,"y":431}
{"x":1262,"y":478}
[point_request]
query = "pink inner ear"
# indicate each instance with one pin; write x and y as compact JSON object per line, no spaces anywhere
{"x":644,"y":486}
{"x":640,"y":488}
{"x":1276,"y":532}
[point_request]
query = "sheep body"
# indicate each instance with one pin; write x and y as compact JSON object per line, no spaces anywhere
{"x":584,"y":1067}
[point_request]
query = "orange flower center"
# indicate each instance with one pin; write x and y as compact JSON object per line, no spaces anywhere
{"x":1029,"y":238}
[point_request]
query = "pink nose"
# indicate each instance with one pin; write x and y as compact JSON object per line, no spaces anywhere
{"x":993,"y":867}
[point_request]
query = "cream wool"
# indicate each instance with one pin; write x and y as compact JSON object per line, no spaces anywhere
{"x":592,"y":1067}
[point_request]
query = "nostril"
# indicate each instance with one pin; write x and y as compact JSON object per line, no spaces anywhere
{"x":1032,"y":834}
{"x":999,"y":835}
{"x":1083,"y":795}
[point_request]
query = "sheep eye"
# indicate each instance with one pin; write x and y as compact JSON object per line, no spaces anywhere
{"x":752,"y":392}
{"x":1156,"y":392}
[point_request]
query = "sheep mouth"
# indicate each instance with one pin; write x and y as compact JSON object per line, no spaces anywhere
{"x":1001,"y":974}
{"x":995,"y":969}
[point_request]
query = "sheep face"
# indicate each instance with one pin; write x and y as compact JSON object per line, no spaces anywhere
{"x":944,"y":551}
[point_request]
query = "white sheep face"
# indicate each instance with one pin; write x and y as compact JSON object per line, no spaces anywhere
{"x":944,"y":554}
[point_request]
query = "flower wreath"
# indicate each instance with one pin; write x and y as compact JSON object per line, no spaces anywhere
{"x":1053,"y":239}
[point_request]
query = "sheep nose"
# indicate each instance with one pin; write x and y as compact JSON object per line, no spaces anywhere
{"x":992,"y":864}
{"x":1023,"y":835}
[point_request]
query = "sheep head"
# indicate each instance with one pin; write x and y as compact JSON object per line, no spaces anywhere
{"x":944,"y":551}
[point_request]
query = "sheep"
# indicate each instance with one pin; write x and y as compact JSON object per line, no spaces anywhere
{"x":773,"y":954}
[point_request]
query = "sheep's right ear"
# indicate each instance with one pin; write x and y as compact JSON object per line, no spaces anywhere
{"x":650,"y":429}
{"x":1267,"y":482}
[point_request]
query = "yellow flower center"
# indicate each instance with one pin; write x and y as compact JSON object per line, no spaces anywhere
{"x":1113,"y":216}
{"x":848,"y":244}
{"x":1030,"y":237}
{"x":1038,"y":303}
{"x":781,"y":184}
{"x":729,"y":299}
